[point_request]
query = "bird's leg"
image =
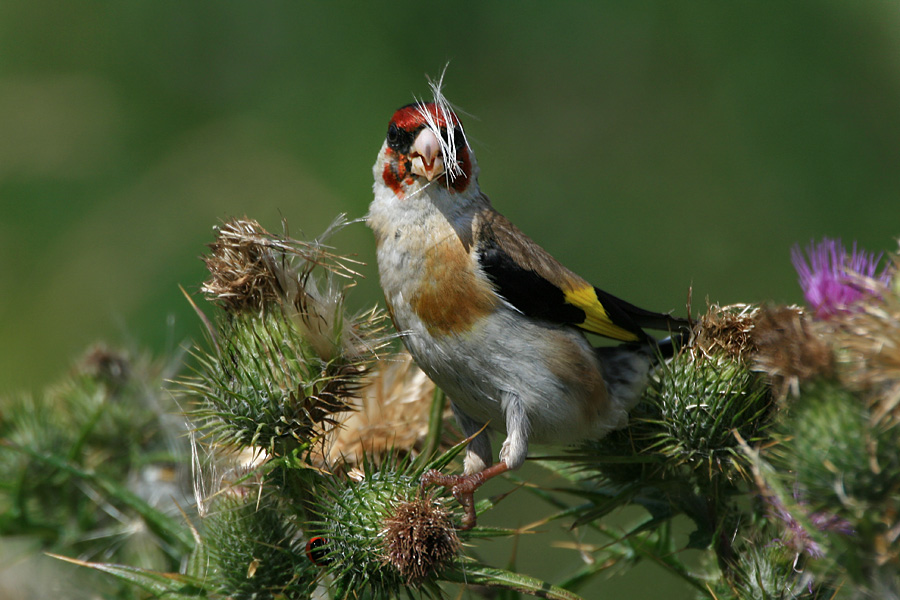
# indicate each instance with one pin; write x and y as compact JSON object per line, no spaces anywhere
{"x":478,"y":455}
{"x":476,"y":464}
{"x":463,"y":487}
{"x":478,"y":442}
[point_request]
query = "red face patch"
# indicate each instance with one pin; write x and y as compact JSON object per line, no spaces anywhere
{"x":395,"y":171}
{"x":410,"y":116}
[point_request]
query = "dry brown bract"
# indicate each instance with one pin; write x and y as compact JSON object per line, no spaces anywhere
{"x":394,"y":408}
{"x":724,"y":330}
{"x":790,"y":348}
{"x":868,"y":340}
{"x":419,"y":538}
{"x":250,"y":267}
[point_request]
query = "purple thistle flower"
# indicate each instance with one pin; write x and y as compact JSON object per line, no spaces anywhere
{"x":834,"y":280}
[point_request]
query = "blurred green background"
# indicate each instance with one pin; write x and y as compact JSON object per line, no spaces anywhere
{"x":650,"y":146}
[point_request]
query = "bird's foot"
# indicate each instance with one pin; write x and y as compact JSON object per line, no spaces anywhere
{"x":463,"y":488}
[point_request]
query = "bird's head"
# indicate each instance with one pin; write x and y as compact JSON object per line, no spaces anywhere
{"x":426,"y":145}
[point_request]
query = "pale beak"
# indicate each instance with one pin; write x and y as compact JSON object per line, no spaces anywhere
{"x":427,"y":159}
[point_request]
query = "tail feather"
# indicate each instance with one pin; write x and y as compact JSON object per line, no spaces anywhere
{"x":635,"y":318}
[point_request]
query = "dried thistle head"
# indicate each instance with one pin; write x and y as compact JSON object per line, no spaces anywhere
{"x":724,"y":330}
{"x":419,"y":538}
{"x":867,"y":342}
{"x":251,"y":268}
{"x":393,"y":412}
{"x":790,"y":348}
{"x":241,"y":267}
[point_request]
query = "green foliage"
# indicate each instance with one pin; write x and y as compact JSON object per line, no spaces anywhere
{"x":842,"y":469}
{"x":255,"y":550}
{"x":828,"y":435}
{"x":787,"y":473}
{"x":91,"y":466}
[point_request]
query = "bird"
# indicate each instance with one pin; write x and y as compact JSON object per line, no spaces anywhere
{"x":488,"y":314}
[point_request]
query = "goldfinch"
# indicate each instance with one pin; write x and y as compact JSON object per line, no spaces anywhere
{"x":490,"y":316}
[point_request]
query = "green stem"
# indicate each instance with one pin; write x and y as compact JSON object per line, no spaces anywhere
{"x":435,"y":424}
{"x":473,"y":573}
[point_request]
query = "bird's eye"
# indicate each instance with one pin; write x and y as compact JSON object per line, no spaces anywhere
{"x":459,"y":138}
{"x":399,"y":139}
{"x":393,"y":136}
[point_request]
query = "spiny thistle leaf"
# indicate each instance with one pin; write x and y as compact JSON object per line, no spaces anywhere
{"x":161,"y":585}
{"x":473,"y":573}
{"x":163,"y":525}
{"x":90,"y":466}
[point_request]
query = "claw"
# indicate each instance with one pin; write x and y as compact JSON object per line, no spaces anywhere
{"x":463,"y":488}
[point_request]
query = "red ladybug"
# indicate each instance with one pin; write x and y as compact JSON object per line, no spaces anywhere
{"x":317,"y":551}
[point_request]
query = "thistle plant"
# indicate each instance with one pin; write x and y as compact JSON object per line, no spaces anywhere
{"x":384,"y":533}
{"x":773,"y":431}
{"x":308,"y":437}
{"x":838,"y":446}
{"x":243,"y":527}
{"x":285,"y":359}
{"x":834,"y":280}
{"x":93,"y":467}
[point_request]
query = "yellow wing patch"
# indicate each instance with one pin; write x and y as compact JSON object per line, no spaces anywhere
{"x":596,"y":318}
